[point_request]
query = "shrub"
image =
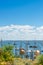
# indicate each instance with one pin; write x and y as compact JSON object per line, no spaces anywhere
{"x":39,"y":60}
{"x":6,"y":55}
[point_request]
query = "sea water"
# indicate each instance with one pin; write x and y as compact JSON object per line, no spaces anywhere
{"x":23,"y":43}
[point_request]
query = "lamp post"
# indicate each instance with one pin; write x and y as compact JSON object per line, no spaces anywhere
{"x":15,"y":48}
{"x":1,"y":43}
{"x":32,"y":51}
{"x":26,"y":53}
{"x":22,"y":51}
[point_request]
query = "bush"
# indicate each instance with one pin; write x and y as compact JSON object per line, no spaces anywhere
{"x":39,"y":60}
{"x":6,"y":54}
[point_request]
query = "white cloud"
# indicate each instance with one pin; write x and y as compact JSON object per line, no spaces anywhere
{"x":40,"y":29}
{"x":21,"y":32}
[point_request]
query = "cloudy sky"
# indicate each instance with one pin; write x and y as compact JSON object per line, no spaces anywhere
{"x":21,"y":32}
{"x":21,"y":19}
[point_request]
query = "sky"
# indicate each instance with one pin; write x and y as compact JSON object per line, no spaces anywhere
{"x":21,"y":19}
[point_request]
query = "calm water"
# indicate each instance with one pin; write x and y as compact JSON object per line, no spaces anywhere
{"x":22,"y":44}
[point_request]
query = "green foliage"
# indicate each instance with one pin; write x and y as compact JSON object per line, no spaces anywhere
{"x":39,"y":59}
{"x":17,"y":56}
{"x":6,"y":53}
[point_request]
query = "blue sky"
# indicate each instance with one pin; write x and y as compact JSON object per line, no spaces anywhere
{"x":21,"y":19}
{"x":21,"y":12}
